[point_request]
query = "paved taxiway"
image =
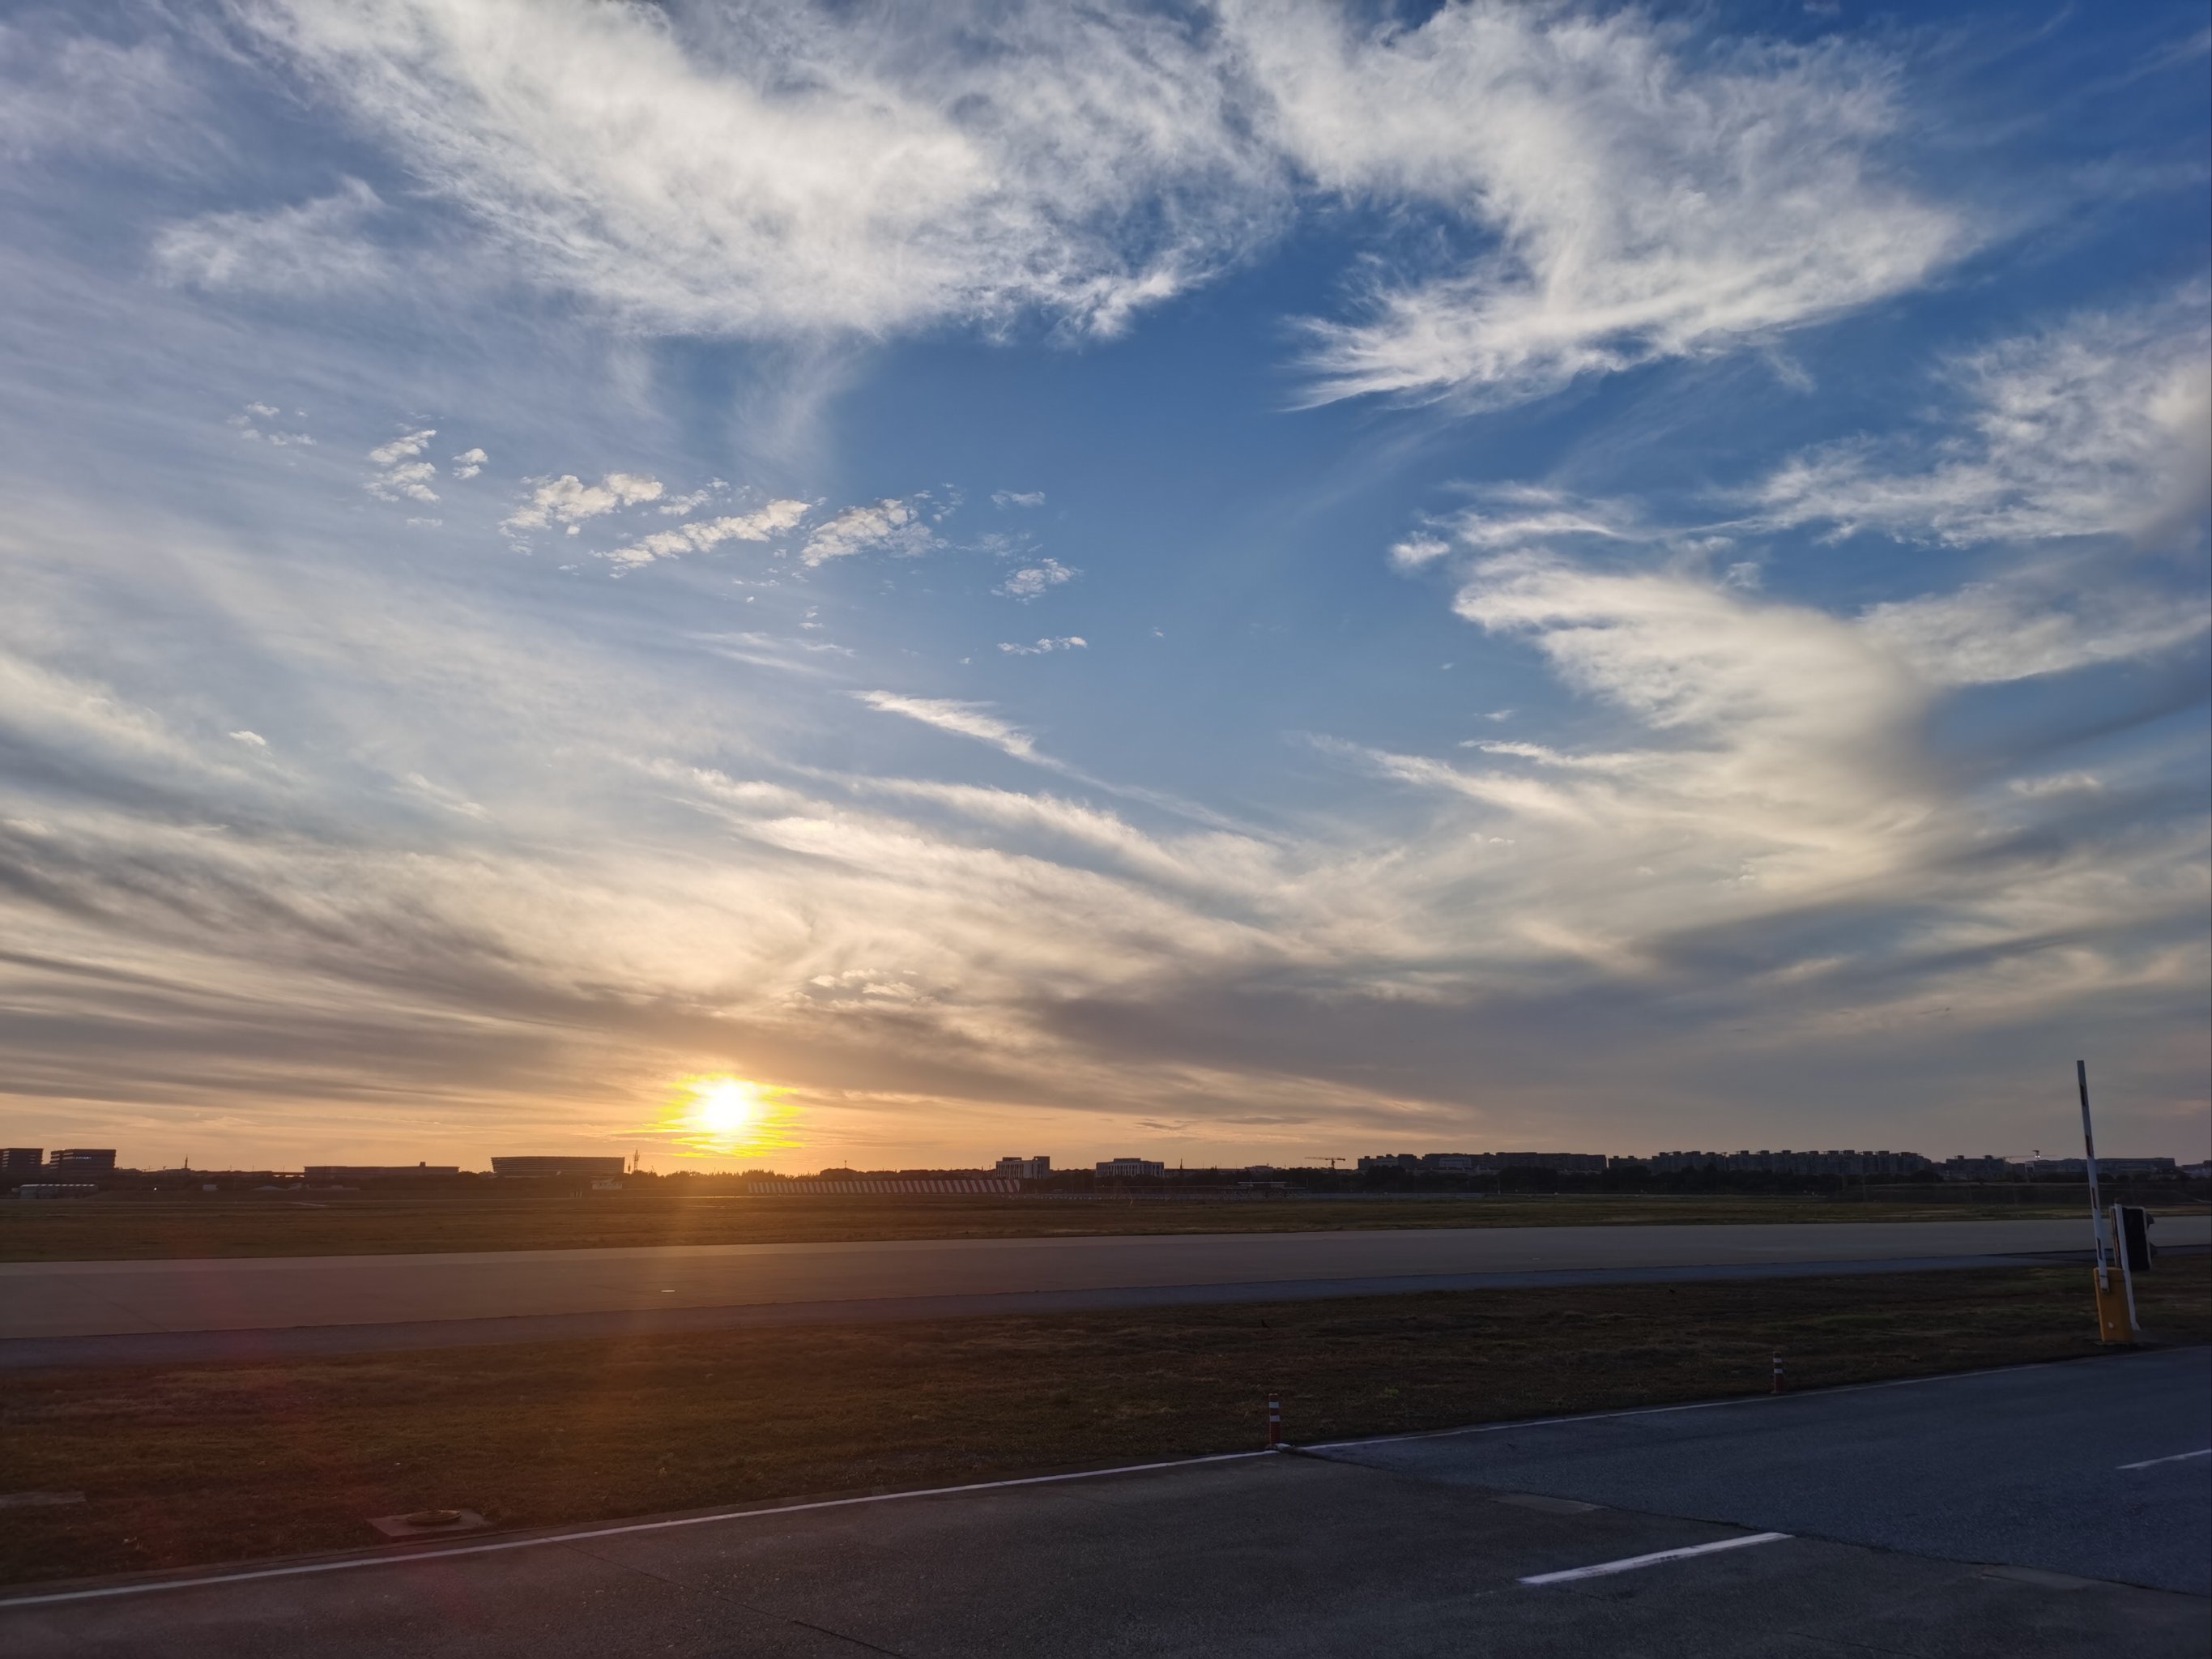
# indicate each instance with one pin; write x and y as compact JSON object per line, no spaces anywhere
{"x":87,"y":1312}
{"x":1904,"y":1536}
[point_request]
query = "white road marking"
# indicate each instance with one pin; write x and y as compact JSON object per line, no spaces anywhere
{"x":302,"y":1569}
{"x":1629,"y":1564}
{"x":2178,"y":1457}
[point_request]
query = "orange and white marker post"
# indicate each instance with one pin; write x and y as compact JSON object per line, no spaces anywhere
{"x":1777,"y":1374}
{"x":2116,"y":1324}
{"x":1274,"y":1423}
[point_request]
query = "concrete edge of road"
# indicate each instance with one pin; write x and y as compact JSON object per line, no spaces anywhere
{"x":250,"y":1344}
{"x":240,"y":1572}
{"x":112,"y":1587}
{"x":1321,"y":1447}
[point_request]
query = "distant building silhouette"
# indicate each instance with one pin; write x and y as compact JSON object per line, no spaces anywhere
{"x":1129,"y":1169}
{"x":377,"y":1171}
{"x":536,"y":1168}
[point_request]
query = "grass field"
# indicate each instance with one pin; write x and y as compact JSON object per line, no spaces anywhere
{"x":193,"y":1464}
{"x":131,"y":1226}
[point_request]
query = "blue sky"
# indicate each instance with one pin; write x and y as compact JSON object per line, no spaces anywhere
{"x":1230,"y":582}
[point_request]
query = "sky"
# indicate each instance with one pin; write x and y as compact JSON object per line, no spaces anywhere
{"x":1225,"y":582}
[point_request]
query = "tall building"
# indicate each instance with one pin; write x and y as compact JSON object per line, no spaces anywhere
{"x":82,"y":1160}
{"x":21,"y":1160}
{"x":1024,"y":1169}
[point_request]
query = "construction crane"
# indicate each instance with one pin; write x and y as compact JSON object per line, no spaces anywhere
{"x":1331,"y":1162}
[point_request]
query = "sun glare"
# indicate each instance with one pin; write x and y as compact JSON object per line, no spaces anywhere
{"x":725,"y":1106}
{"x":729,"y":1116}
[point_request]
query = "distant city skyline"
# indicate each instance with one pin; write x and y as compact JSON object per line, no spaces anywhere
{"x":1041,"y":1166}
{"x":1234,"y":582}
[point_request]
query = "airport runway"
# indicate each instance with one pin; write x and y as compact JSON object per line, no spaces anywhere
{"x":94,"y":1312}
{"x":2040,"y":1511}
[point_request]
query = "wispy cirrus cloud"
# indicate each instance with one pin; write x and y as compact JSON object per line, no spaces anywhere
{"x":2099,"y":425}
{"x":304,"y":249}
{"x":1616,"y":190}
{"x":864,"y":180}
{"x":967,"y":720}
{"x":1637,"y":199}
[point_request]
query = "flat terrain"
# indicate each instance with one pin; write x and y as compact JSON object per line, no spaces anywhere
{"x":1352,"y":1553}
{"x":1927,"y":1469}
{"x":184,"y":1464}
{"x":130,"y":1227}
{"x":100,"y":1299}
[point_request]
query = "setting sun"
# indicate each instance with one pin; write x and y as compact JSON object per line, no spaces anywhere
{"x":725,"y":1116}
{"x":725,"y":1106}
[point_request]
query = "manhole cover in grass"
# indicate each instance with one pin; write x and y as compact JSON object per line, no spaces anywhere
{"x":417,"y":1523}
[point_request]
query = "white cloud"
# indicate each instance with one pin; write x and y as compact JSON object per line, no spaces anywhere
{"x":1004,"y":498}
{"x":1032,"y":581}
{"x":677,"y":506}
{"x":469,"y":463}
{"x":250,"y":739}
{"x":899,"y":528}
{"x":969,"y":720}
{"x":2017,"y":628}
{"x":404,"y":479}
{"x":567,"y":500}
{"x":1622,"y":190}
{"x":1643,"y":196}
{"x":1416,"y":550}
{"x":66,"y":91}
{"x":245,"y":425}
{"x":1045,"y":648}
{"x":451,"y":799}
{"x":305,"y":250}
{"x":1515,"y":518}
{"x":410,"y":482}
{"x":1791,"y":726}
{"x":758,"y":526}
{"x":403,"y":447}
{"x":2100,"y":426}
{"x":768,"y":171}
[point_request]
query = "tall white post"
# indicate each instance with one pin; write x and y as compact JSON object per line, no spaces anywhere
{"x":2089,"y":1147}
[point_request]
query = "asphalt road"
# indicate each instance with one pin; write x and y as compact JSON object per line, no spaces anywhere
{"x":76,"y":1312}
{"x":2023,"y":1465}
{"x":1407,"y":1548}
